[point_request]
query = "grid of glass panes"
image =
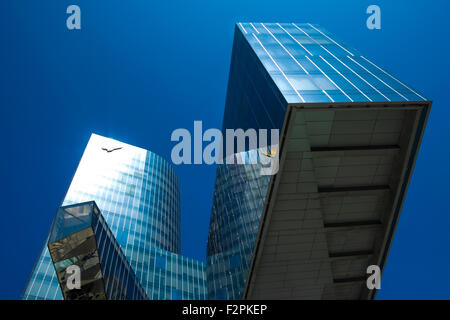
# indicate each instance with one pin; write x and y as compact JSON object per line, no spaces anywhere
{"x":238,"y":201}
{"x":120,"y":280}
{"x":274,"y":64}
{"x":308,"y":65}
{"x":138,"y":194}
{"x":172,"y":276}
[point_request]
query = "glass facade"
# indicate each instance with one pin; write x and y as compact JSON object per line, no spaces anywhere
{"x":275,"y":65}
{"x":80,"y":236}
{"x":307,"y":66}
{"x":138,"y":194}
{"x":238,"y":201}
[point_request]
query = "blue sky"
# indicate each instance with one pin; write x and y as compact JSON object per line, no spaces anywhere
{"x":140,"y":69}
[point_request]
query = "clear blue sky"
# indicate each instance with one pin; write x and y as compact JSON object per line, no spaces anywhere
{"x":139,"y":69}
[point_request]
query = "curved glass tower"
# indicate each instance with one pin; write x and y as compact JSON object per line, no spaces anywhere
{"x":138,"y":194}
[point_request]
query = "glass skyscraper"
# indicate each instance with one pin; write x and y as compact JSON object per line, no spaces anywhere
{"x":80,"y":238}
{"x":237,"y":205}
{"x":297,"y":78}
{"x":349,"y":137}
{"x":137,"y":192}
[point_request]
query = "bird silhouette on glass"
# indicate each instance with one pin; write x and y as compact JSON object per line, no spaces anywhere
{"x":111,"y":150}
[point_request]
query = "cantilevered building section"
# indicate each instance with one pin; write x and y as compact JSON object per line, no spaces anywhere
{"x":81,"y":237}
{"x":350,"y":134}
{"x":137,"y":193}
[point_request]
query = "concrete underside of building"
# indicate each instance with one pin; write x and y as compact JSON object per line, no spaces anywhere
{"x":332,"y":209}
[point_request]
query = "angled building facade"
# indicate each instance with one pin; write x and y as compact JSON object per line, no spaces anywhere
{"x":80,"y":237}
{"x":238,"y":201}
{"x":349,"y":136}
{"x":137,"y":193}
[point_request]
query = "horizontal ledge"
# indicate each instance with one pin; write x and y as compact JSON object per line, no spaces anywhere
{"x":351,"y":106}
{"x":350,"y":254}
{"x":352,"y":279}
{"x":352,"y":224}
{"x":355,"y":148}
{"x":353,"y":188}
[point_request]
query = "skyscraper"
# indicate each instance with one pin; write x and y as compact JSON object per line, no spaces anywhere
{"x":137,"y":192}
{"x":349,"y":136}
{"x":81,"y":241}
